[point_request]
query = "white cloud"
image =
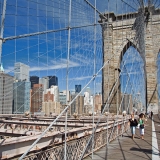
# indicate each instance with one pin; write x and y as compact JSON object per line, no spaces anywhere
{"x":61,"y":64}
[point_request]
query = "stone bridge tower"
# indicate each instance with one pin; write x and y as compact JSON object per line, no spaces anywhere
{"x":119,"y":33}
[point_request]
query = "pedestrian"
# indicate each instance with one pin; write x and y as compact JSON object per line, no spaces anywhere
{"x":133,"y":123}
{"x":141,"y":122}
{"x":145,"y":116}
{"x":151,"y":114}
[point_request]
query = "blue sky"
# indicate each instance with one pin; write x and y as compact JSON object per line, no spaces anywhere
{"x":46,"y":54}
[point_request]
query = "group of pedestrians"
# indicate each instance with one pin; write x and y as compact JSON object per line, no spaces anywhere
{"x":134,"y":123}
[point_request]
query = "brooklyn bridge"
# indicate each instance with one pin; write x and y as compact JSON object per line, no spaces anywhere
{"x":72,"y":72}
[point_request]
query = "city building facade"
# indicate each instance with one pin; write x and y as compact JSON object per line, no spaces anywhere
{"x":51,"y":108}
{"x":78,"y":105}
{"x":45,"y":82}
{"x":64,"y":97}
{"x":21,"y":71}
{"x":34,"y":80}
{"x":98,"y":102}
{"x":6,"y":93}
{"x":55,"y":91}
{"x":36,"y":98}
{"x":48,"y":97}
{"x":53,"y":80}
{"x":21,"y":97}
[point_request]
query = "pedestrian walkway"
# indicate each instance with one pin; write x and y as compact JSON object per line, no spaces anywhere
{"x":125,"y":148}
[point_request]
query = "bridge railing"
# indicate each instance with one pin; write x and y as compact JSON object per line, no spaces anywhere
{"x":75,"y":146}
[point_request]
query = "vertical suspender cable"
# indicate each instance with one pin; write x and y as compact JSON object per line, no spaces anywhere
{"x":34,"y":98}
{"x":46,"y":39}
{"x":15,"y":57}
{"x":93,"y":107}
{"x":67,"y":90}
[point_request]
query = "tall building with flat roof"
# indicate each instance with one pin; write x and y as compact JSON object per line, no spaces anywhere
{"x":21,"y":71}
{"x":6,"y":93}
{"x":53,"y":80}
{"x":36,"y":98}
{"x":21,"y":97}
{"x":45,"y":82}
{"x":34,"y":80}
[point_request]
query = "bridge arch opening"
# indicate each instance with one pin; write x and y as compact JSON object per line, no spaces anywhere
{"x":132,"y":82}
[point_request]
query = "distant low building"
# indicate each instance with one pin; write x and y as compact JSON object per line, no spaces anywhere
{"x":78,"y":105}
{"x":51,"y":107}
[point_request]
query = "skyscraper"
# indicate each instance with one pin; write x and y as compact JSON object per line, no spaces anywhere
{"x":45,"y":82}
{"x":34,"y":80}
{"x":53,"y":80}
{"x":21,"y":71}
{"x":21,"y":97}
{"x":21,"y":91}
{"x":77,"y":88}
{"x":36,"y":98}
{"x":6,"y":92}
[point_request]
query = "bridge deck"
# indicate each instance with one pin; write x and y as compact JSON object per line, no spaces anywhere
{"x":124,"y":148}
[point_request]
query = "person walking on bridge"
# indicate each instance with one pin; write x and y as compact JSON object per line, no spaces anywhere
{"x":141,"y":122}
{"x":133,"y":123}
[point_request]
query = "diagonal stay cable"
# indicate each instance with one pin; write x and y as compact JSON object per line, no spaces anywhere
{"x":45,"y":32}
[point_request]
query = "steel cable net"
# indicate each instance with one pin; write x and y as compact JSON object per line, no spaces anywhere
{"x":62,"y":39}
{"x":47,"y":54}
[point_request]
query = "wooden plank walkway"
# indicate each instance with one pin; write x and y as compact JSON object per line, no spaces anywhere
{"x":124,"y":148}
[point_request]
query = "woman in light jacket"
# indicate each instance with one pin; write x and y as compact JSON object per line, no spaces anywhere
{"x":141,"y":122}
